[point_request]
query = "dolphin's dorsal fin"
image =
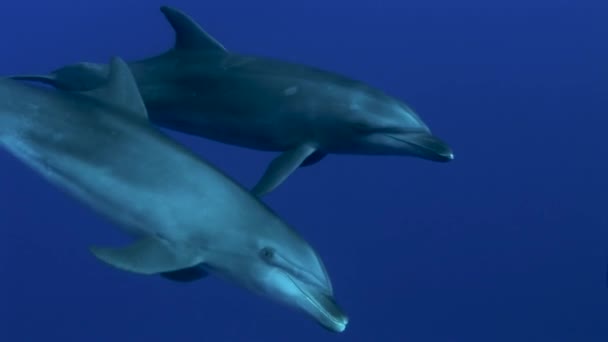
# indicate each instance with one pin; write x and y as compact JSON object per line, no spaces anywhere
{"x":188,"y":34}
{"x":120,"y":89}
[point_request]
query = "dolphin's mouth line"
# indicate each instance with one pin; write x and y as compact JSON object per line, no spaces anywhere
{"x":315,"y":303}
{"x":411,"y":143}
{"x":405,"y":141}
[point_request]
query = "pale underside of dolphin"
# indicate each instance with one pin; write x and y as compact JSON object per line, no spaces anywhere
{"x":186,"y":216}
{"x":200,"y":88}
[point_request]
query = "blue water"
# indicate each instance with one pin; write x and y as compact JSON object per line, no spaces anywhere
{"x":509,"y":242}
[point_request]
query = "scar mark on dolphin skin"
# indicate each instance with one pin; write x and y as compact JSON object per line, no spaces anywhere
{"x":230,"y":63}
{"x":290,"y":91}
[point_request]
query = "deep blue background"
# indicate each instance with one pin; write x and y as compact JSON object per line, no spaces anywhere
{"x":509,"y":242}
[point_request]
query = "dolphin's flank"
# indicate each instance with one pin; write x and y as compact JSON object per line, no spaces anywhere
{"x":100,"y":147}
{"x":305,"y":113}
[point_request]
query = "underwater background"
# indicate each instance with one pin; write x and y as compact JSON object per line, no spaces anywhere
{"x":508,"y":242}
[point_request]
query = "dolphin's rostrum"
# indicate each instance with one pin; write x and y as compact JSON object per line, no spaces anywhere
{"x":187,"y":218}
{"x":199,"y":87}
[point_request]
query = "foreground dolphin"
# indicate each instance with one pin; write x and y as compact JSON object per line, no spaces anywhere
{"x":187,"y":217}
{"x":200,"y":88}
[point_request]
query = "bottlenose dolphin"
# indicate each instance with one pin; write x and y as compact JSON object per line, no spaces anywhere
{"x":200,"y":88}
{"x":186,"y":216}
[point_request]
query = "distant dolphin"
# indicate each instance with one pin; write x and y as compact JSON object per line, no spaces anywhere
{"x":187,"y":217}
{"x":199,"y":88}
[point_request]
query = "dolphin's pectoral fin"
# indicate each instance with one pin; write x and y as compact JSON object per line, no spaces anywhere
{"x":281,"y":167}
{"x":186,"y":275}
{"x":313,"y":158}
{"x":188,"y":34}
{"x":145,"y":256}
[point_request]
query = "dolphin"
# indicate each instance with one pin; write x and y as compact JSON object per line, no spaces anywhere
{"x":198,"y":87}
{"x":186,"y":217}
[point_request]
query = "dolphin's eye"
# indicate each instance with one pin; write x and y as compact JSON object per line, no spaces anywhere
{"x":267,"y":253}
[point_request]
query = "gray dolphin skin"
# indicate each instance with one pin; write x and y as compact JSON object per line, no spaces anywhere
{"x":200,"y":88}
{"x":186,"y":217}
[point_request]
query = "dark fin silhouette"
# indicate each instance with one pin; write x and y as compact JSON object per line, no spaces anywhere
{"x":314,"y":158}
{"x":186,"y":275}
{"x":188,"y":34}
{"x":120,"y":89}
{"x":45,"y":79}
{"x":281,"y":167}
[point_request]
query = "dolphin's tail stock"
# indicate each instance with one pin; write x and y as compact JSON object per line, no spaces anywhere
{"x":75,"y":77}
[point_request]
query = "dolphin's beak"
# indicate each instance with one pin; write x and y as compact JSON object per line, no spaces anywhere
{"x":427,"y":146}
{"x":335,"y":319}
